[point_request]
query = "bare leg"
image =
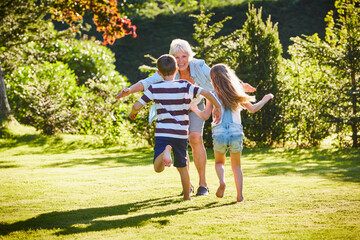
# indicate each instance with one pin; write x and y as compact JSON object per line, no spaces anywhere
{"x":159,"y":163}
{"x":188,"y":167}
{"x":185,"y":181}
{"x":238,"y":174}
{"x":199,"y":156}
{"x":220,"y":171}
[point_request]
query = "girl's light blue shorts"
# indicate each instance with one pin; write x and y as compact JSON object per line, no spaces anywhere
{"x":228,"y":136}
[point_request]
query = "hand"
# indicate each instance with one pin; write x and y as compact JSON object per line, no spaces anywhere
{"x":124,"y":93}
{"x":193,"y":107}
{"x":133,"y":115}
{"x":248,"y":88}
{"x":216,"y":115}
{"x":267,"y":97}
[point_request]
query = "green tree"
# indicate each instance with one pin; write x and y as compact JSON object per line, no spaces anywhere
{"x":340,"y":51}
{"x":308,"y":86}
{"x":259,"y":65}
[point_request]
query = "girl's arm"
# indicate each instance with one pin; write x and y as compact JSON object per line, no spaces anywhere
{"x":248,"y":88}
{"x":252,"y":108}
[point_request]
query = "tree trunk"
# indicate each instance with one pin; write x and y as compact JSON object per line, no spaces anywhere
{"x":354,"y":121}
{"x":4,"y":104}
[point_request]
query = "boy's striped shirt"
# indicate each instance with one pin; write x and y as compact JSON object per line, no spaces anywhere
{"x":172,"y":100}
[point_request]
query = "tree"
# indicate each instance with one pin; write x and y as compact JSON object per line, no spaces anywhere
{"x":23,"y":21}
{"x":4,"y":104}
{"x":341,"y":52}
{"x":259,"y":64}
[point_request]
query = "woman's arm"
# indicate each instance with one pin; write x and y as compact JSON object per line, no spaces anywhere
{"x":140,"y":86}
{"x":252,"y":108}
{"x":137,"y":87}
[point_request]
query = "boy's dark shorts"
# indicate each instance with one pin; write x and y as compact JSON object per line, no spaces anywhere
{"x":179,"y":149}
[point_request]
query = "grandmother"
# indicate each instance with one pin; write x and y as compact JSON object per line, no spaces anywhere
{"x":196,"y":72}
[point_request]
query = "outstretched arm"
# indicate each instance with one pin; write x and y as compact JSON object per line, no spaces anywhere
{"x":248,"y":88}
{"x":137,"y":87}
{"x":135,"y":109}
{"x":202,"y":114}
{"x":252,"y":108}
{"x":217,"y":111}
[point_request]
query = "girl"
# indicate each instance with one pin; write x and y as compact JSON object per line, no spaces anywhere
{"x":228,"y":134}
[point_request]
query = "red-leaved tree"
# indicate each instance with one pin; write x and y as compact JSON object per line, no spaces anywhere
{"x":106,"y":17}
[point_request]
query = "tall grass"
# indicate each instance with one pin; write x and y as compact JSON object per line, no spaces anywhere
{"x":61,"y":189}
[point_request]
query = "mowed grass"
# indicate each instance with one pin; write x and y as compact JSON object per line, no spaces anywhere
{"x":65,"y":188}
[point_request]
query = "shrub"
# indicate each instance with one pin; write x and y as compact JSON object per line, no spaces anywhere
{"x":45,"y":96}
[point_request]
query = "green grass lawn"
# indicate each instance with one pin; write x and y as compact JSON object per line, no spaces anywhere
{"x":66,"y":188}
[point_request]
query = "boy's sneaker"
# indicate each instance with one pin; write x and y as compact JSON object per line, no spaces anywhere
{"x":202,"y":191}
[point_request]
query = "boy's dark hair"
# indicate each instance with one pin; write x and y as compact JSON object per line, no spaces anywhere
{"x":166,"y":64}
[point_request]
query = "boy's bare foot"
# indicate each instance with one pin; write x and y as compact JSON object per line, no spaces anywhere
{"x":240,"y":199}
{"x":167,"y":156}
{"x":220,"y":191}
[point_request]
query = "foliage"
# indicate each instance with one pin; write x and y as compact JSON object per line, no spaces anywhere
{"x":50,"y":106}
{"x":211,"y":47}
{"x":307,"y":86}
{"x":91,"y":67}
{"x":106,"y":17}
{"x":259,"y":65}
{"x":339,"y":53}
{"x":23,"y":23}
{"x":130,"y":52}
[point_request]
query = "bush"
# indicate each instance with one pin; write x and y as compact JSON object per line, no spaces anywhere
{"x":46,"y":97}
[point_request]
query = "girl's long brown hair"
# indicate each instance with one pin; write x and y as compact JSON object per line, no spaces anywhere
{"x":228,"y":87}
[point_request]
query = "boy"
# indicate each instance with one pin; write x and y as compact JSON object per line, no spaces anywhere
{"x":172,"y":99}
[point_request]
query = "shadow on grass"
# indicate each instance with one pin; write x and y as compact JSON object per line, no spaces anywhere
{"x":112,"y":158}
{"x":50,"y":144}
{"x":94,"y":219}
{"x":341,"y":164}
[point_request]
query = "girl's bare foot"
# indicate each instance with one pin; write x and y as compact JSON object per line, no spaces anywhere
{"x":240,"y":199}
{"x":220,"y":191}
{"x":167,"y":156}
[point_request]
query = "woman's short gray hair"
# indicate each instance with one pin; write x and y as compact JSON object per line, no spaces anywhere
{"x":181,"y":45}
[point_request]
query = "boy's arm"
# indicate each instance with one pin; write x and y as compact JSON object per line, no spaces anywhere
{"x":217,"y":111}
{"x":202,"y":114}
{"x":252,"y":108}
{"x":135,"y":109}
